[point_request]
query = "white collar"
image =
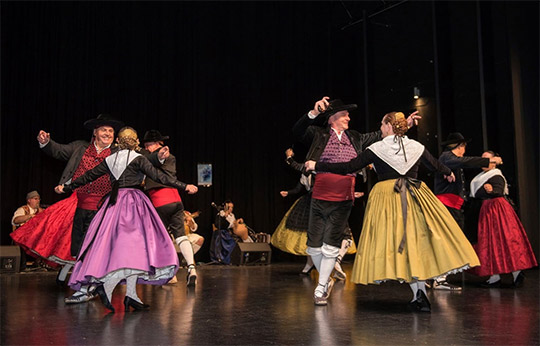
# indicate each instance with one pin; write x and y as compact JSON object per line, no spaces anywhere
{"x":118,"y":163}
{"x":100,"y":150}
{"x":389,"y":150}
{"x":482,"y":177}
{"x":338,"y":134}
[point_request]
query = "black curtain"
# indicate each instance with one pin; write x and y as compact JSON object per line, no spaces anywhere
{"x":227,"y":80}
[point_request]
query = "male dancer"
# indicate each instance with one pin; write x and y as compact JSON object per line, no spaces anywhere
{"x":168,"y":202}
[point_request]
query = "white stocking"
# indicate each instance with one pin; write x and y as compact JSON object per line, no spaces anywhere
{"x":414,"y":288}
{"x":131,"y":288}
{"x":64,"y":272}
{"x":186,"y":248}
{"x":316,"y":256}
{"x":515,"y":274}
{"x":309,"y":264}
{"x":196,"y":248}
{"x":494,"y":278}
{"x":109,"y":286}
{"x":422,"y":286}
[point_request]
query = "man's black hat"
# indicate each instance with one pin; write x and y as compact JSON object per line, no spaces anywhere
{"x":335,"y":106}
{"x":455,"y":138}
{"x":103,"y":120}
{"x":154,"y":136}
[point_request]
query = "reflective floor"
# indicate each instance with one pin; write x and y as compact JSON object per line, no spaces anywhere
{"x":268,"y":305}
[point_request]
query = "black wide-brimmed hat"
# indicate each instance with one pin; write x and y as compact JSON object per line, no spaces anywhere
{"x":335,"y":106}
{"x":154,"y":136}
{"x":455,"y":138}
{"x":103,"y":120}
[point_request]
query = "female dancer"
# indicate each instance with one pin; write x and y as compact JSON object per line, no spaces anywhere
{"x":126,"y":240}
{"x":503,"y":246}
{"x":408,"y":235}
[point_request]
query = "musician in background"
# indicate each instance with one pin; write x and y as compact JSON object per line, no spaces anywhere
{"x":190,"y":227}
{"x":227,"y":231}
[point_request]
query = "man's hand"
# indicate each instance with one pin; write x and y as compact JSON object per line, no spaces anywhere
{"x":320,"y":106}
{"x":43,"y":137}
{"x":191,"y":189}
{"x":413,"y":119}
{"x":289,"y":153}
{"x":310,"y":165}
{"x":163,"y":153}
{"x":451,"y":178}
{"x":488,"y":188}
{"x":59,"y":189}
{"x":358,"y":194}
{"x":283,"y":193}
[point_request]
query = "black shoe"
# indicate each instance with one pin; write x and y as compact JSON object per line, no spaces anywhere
{"x":496,"y":284}
{"x":134,"y":304}
{"x":421,"y":303}
{"x":518,"y":282}
{"x":104,"y":299}
{"x":308,"y":272}
{"x":59,"y":282}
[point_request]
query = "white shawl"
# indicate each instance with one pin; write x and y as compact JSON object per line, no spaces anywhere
{"x":389,"y":150}
{"x":482,"y":177}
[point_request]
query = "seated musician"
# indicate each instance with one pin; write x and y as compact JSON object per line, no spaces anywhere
{"x":190,"y":227}
{"x":228,"y":230}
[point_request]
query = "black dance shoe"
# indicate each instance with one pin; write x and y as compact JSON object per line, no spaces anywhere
{"x":104,"y":299}
{"x":134,"y":304}
{"x":60,"y":283}
{"x":518,"y":282}
{"x":421,"y":303}
{"x":496,"y":284}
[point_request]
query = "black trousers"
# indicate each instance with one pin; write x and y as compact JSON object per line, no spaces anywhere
{"x":327,"y":220}
{"x":81,"y":221}
{"x":172,"y":216}
{"x":458,"y":215}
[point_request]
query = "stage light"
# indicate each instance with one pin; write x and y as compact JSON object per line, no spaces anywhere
{"x":416,"y":93}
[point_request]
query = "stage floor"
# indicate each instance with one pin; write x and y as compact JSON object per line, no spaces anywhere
{"x":268,"y":305}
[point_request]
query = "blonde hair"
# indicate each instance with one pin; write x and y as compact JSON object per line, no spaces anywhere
{"x":128,"y":139}
{"x":398,"y":122}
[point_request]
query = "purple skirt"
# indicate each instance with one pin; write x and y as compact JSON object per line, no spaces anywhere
{"x":125,"y":239}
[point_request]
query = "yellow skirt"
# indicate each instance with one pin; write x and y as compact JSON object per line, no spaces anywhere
{"x":292,"y":241}
{"x":435,"y":244}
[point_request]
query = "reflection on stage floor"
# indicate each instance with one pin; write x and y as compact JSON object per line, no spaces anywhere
{"x":268,"y":305}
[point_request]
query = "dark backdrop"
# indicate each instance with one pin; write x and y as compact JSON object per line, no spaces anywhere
{"x":227,"y":80}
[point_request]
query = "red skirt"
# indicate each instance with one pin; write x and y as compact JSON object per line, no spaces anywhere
{"x":48,"y":234}
{"x":503,"y":246}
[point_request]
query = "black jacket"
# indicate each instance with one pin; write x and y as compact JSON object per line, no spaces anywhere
{"x":168,"y":167}
{"x":307,"y":133}
{"x":72,"y":153}
{"x":456,"y":164}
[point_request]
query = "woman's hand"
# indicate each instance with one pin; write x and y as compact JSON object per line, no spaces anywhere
{"x":59,"y":189}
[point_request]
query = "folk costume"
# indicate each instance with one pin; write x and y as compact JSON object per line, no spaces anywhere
{"x":503,"y":246}
{"x":169,"y":207}
{"x":333,"y":195}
